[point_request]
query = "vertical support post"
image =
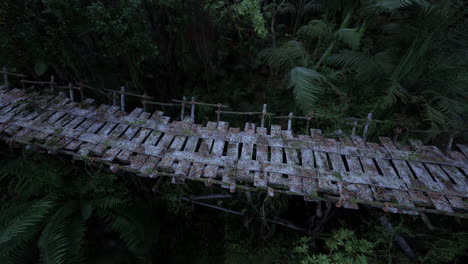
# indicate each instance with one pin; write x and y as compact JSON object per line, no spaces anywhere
{"x":366,"y":127}
{"x":450,"y":141}
{"x":143,"y":102}
{"x":290,"y":117}
{"x":52,"y":79}
{"x":398,"y":131}
{"x":5,"y":78}
{"x":81,"y":94}
{"x":122,"y":98}
{"x":182,"y":109}
{"x":218,"y":113}
{"x":114,"y":98}
{"x":308,"y":123}
{"x":264,"y":112}
{"x":353,"y":132}
{"x":70,"y":89}
{"x":192,"y":110}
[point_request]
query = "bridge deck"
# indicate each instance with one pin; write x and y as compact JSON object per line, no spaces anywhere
{"x":349,"y":171}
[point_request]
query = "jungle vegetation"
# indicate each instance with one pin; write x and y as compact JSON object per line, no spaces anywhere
{"x":402,"y":60}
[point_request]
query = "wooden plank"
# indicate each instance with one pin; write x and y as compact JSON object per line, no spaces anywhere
{"x":149,"y":167}
{"x":295,"y":182}
{"x":347,"y":191}
{"x":229,"y":177}
{"x":128,"y":135}
{"x":310,"y":185}
{"x":261,"y":177}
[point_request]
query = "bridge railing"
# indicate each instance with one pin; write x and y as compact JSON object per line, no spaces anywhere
{"x":118,"y":98}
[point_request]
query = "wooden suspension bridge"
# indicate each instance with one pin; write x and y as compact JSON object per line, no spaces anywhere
{"x":398,"y":178}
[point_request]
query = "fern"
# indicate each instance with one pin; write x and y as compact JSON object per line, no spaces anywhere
{"x":26,"y":222}
{"x":53,"y":242}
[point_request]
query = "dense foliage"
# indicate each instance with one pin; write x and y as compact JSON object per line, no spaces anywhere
{"x":402,"y":60}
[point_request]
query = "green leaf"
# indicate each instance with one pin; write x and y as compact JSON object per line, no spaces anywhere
{"x":40,"y":68}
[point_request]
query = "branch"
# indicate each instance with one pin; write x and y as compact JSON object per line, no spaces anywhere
{"x":398,"y":239}
{"x":277,"y":221}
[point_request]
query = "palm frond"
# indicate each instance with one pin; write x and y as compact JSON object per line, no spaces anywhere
{"x":366,"y":67}
{"x":284,"y":57}
{"x":312,"y":6}
{"x":350,"y":36}
{"x":308,"y":85}
{"x":316,"y":29}
{"x":391,"y":5}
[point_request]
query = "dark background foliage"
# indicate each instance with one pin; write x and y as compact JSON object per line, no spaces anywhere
{"x":403,"y":60}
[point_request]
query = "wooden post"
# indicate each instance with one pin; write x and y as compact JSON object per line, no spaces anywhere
{"x":366,"y":127}
{"x":264,"y":112}
{"x":143,"y":102}
{"x":72,"y":96}
{"x":218,"y":113}
{"x":353,"y":132}
{"x":114,"y":98}
{"x":5,"y":78}
{"x":122,"y":98}
{"x":192,"y":110}
{"x":308,"y":123}
{"x":450,"y":141}
{"x":398,"y":131}
{"x":182,"y":109}
{"x":290,"y":117}
{"x":52,"y":84}
{"x":81,"y":94}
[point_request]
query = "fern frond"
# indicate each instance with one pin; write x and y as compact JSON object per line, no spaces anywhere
{"x":53,"y":242}
{"x":20,"y":253}
{"x":109,"y":202}
{"x":75,"y":233}
{"x":26,"y":222}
